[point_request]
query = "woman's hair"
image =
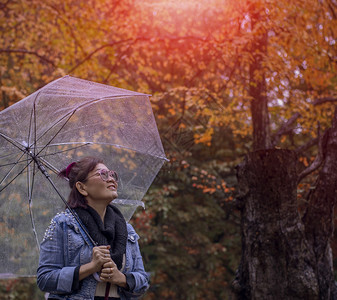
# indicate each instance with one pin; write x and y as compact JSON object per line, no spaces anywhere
{"x":78,"y":171}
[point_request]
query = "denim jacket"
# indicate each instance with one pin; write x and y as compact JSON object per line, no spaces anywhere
{"x":65,"y":246}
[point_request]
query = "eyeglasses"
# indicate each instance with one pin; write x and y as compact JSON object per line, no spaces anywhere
{"x":105,"y":175}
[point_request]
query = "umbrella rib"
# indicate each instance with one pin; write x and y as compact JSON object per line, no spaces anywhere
{"x":30,"y":185}
{"x":124,"y":201}
{"x":129,"y":148}
{"x":14,"y":164}
{"x":17,"y":175}
{"x":116,"y":145}
{"x":31,"y":119}
{"x":49,"y":166}
{"x":13,"y":142}
{"x":61,"y":151}
{"x":90,"y":143}
{"x":70,"y":114}
{"x":5,"y":156}
{"x":47,"y":144}
{"x":34,"y":110}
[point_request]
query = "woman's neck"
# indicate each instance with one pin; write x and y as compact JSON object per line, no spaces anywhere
{"x":99,"y":207}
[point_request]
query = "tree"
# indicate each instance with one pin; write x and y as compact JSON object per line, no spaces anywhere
{"x":284,"y":256}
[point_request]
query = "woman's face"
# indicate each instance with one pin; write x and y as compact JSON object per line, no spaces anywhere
{"x":97,"y":189}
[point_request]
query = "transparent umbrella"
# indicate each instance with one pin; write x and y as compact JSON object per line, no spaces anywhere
{"x":62,"y":122}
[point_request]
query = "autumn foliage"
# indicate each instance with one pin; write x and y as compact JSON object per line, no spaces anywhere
{"x":195,"y":58}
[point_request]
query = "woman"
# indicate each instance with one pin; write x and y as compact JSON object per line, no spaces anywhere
{"x":70,"y":266}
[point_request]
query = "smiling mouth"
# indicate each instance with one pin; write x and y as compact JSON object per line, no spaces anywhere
{"x":111,"y":187}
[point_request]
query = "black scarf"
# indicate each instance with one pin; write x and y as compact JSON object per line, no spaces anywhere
{"x":113,"y":232}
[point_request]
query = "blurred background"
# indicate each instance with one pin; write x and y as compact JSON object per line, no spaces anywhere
{"x":198,"y":60}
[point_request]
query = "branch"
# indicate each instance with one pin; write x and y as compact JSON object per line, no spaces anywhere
{"x":285,"y":128}
{"x":113,"y":68}
{"x":324,"y":100}
{"x":95,"y":51}
{"x":23,"y":51}
{"x":306,"y":146}
{"x":322,"y":140}
{"x":134,"y":41}
{"x":70,"y":28}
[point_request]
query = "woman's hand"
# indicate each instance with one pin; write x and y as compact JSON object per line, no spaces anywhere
{"x":110,"y":273}
{"x":100,"y":256}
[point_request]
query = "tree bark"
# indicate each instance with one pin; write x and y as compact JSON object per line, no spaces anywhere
{"x":258,"y":89}
{"x":277,"y":262}
{"x":319,"y":217}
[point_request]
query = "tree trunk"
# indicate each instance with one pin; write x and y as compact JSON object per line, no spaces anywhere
{"x":277,"y":262}
{"x":258,"y":89}
{"x":319,"y":217}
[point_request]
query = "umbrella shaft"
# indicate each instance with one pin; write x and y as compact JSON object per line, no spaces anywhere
{"x":45,"y":173}
{"x":41,"y":167}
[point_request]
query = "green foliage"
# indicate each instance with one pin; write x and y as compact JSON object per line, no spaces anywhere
{"x":22,"y":288}
{"x":189,"y":232}
{"x":189,"y":242}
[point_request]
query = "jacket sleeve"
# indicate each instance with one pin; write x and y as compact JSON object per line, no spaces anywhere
{"x":53,"y":275}
{"x":141,"y":278}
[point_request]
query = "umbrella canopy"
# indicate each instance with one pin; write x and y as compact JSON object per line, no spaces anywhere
{"x":62,"y":122}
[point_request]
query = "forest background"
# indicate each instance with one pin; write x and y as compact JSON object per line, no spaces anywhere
{"x":195,"y":58}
